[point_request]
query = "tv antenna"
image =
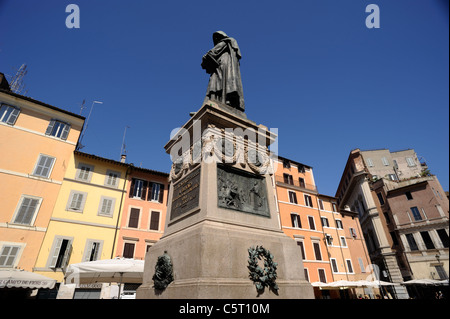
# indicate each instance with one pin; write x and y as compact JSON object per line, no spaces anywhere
{"x":17,"y":85}
{"x":87,"y":122}
{"x":123,"y":150}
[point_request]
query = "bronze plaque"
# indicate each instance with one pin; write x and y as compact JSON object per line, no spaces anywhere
{"x":242,"y":191}
{"x":186,"y":194}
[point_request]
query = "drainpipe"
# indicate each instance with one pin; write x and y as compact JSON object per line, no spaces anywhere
{"x":120,"y":210}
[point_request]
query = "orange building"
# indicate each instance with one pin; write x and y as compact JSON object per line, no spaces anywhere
{"x":143,"y":213}
{"x":36,"y":143}
{"x":330,"y":240}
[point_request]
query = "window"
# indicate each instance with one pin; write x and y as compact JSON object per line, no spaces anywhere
{"x":334,"y":207}
{"x":408,"y":195}
{"x":370,"y":162}
{"x":353,"y":233}
{"x":286,"y":164}
{"x":302,"y":249}
{"x":58,"y":129}
{"x":410,"y":161}
{"x":387,"y":218}
{"x":324,"y":221}
{"x":8,"y":114}
{"x":416,"y":214}
{"x":44,"y":166}
{"x":385,"y":161}
{"x":305,"y":270}
{"x":349,"y":266}
{"x":61,"y":250}
{"x":394,"y":238}
{"x":308,"y":201}
{"x":26,"y":213}
{"x":312,"y":225}
{"x":317,"y":252}
{"x":154,"y":220}
{"x":84,"y":172}
{"x":292,"y":197}
{"x":343,"y":242}
{"x":334,"y":265}
{"x":393,"y":177}
{"x":329,"y":239}
{"x":380,"y":198}
{"x":156,"y":192}
{"x":133,"y":221}
{"x":92,"y":250}
{"x":427,"y":239}
{"x":128,"y":250}
{"x":76,"y":201}
{"x":411,"y":242}
{"x":106,"y":207}
{"x":288,"y":179}
{"x":112,"y":178}
{"x":301,"y":182}
{"x":8,"y":255}
{"x":322,"y":276}
{"x":361,"y":264}
{"x":441,"y":272}
{"x":443,"y":236}
{"x":295,"y":220}
{"x":138,"y":188}
{"x":339,"y":224}
{"x":321,"y":204}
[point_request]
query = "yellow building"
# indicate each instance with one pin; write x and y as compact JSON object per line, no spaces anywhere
{"x":36,"y":143}
{"x":84,"y":223}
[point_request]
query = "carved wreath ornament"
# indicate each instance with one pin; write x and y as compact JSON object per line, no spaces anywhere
{"x":163,"y":272}
{"x":262,"y":277}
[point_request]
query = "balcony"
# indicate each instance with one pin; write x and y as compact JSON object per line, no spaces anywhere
{"x":295,"y":184}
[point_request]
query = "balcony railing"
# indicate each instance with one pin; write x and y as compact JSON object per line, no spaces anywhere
{"x":288,"y":182}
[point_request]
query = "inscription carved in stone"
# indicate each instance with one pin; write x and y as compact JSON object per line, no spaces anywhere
{"x":186,"y":194}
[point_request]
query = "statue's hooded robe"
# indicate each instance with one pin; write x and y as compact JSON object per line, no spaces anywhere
{"x":227,"y":74}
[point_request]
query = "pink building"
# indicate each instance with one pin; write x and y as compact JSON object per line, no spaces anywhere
{"x":143,"y":213}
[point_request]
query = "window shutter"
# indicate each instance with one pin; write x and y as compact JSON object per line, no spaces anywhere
{"x":293,"y":220}
{"x":134,"y":218}
{"x":67,"y":253}
{"x":88,"y":251}
{"x":13,"y":117}
{"x":317,"y":251}
{"x":154,"y":222}
{"x":133,"y":182}
{"x":65,"y":132}
{"x":56,"y":253}
{"x":50,"y":127}
{"x":144,"y":190}
{"x":150,"y":191}
{"x":161,"y":193}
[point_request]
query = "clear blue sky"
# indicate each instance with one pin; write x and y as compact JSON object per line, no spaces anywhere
{"x":310,"y":68}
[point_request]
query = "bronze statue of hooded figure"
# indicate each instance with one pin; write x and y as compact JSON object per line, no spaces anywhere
{"x":222,"y":63}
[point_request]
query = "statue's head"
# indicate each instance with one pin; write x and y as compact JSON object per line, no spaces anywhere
{"x":218,"y":36}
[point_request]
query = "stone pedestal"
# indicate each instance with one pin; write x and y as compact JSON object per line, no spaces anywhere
{"x":221,"y":203}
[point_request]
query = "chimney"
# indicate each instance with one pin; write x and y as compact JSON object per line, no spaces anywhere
{"x":4,"y":83}
{"x":123,"y":158}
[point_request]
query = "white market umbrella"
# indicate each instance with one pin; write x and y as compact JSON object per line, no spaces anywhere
{"x":345,"y":283}
{"x":319,"y":284}
{"x":19,"y":278}
{"x":109,"y":270}
{"x":426,"y":282}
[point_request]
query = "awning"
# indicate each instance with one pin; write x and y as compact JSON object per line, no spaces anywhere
{"x":18,"y":278}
